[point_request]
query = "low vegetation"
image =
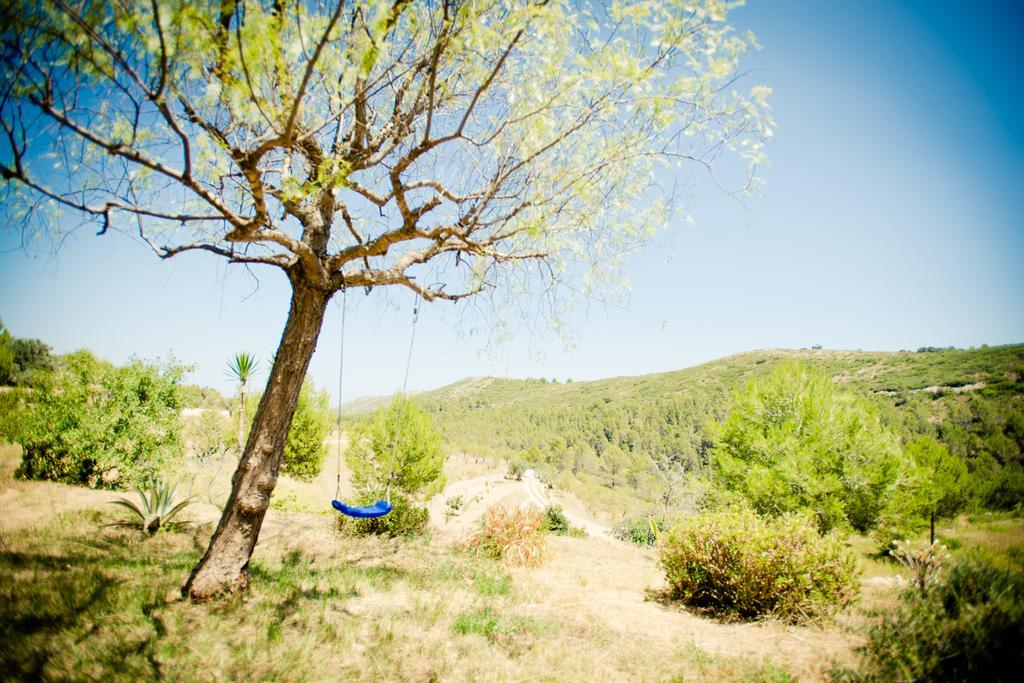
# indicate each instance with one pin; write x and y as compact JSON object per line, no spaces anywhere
{"x":157,"y":507}
{"x":555,"y":522}
{"x":405,"y":519}
{"x":93,"y":424}
{"x":513,"y":535}
{"x":81,"y":598}
{"x":967,"y":627}
{"x":641,"y":530}
{"x":737,"y":564}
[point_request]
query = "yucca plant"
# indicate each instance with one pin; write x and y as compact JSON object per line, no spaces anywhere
{"x":924,"y":562}
{"x":156,"y":507}
{"x":242,"y":368}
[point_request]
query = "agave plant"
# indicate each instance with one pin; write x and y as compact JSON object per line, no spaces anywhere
{"x":156,"y":507}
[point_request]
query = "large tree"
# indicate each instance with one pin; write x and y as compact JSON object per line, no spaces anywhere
{"x":451,"y":147}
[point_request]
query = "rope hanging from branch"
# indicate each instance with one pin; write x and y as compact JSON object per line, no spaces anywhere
{"x":381,"y":507}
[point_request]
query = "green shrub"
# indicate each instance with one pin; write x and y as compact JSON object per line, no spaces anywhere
{"x":969,"y":627}
{"x":555,"y":520}
{"x":638,"y":530}
{"x":733,"y":563}
{"x":516,"y":467}
{"x":452,"y":507}
{"x":405,"y":519}
{"x":305,"y":448}
{"x":91,"y":423}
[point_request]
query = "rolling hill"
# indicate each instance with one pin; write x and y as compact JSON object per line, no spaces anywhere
{"x":610,"y":440}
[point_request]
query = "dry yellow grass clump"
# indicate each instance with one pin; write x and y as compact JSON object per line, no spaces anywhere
{"x":513,"y":535}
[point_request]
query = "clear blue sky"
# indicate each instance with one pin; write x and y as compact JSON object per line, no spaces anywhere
{"x":890,"y":219}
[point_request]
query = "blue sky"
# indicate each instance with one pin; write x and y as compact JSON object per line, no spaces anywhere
{"x":890,"y":219}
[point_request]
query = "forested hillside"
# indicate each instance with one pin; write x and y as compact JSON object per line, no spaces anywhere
{"x":627,"y":438}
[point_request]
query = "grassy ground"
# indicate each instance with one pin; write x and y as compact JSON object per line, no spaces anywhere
{"x":84,"y":597}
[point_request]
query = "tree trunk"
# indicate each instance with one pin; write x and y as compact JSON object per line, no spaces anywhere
{"x":241,"y":417}
{"x":225,"y":566}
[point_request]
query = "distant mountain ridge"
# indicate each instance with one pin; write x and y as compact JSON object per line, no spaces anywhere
{"x":882,"y":372}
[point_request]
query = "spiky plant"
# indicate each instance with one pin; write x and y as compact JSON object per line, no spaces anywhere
{"x":242,"y":368}
{"x":157,"y":506}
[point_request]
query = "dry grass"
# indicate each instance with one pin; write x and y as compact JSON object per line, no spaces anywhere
{"x":513,"y":535}
{"x":81,"y":599}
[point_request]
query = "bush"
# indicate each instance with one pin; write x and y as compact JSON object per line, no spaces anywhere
{"x":305,"y":447}
{"x":516,"y":467}
{"x":969,"y":627}
{"x":639,"y":530}
{"x":305,"y":450}
{"x":90,"y":423}
{"x":404,"y":519}
{"x":513,"y":535}
{"x":735,"y":564}
{"x":556,"y":522}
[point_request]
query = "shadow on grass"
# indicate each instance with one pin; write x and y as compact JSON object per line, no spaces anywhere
{"x":83,"y":605}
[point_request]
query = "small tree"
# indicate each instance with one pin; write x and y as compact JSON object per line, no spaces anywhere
{"x":241,"y":368}
{"x":793,"y":442}
{"x":305,"y":449}
{"x":933,"y":486}
{"x":411,"y":461}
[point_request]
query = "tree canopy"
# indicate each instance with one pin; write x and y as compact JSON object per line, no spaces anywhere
{"x":365,"y":141}
{"x":397,"y":446}
{"x":794,"y":442}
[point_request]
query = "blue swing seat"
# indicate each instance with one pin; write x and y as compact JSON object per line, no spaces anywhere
{"x":378,"y":509}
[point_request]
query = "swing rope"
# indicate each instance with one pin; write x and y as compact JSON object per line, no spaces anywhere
{"x":341,"y":376}
{"x":401,"y":406}
{"x":381,"y":507}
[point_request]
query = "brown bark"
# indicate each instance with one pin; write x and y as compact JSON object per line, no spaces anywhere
{"x":225,"y":566}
